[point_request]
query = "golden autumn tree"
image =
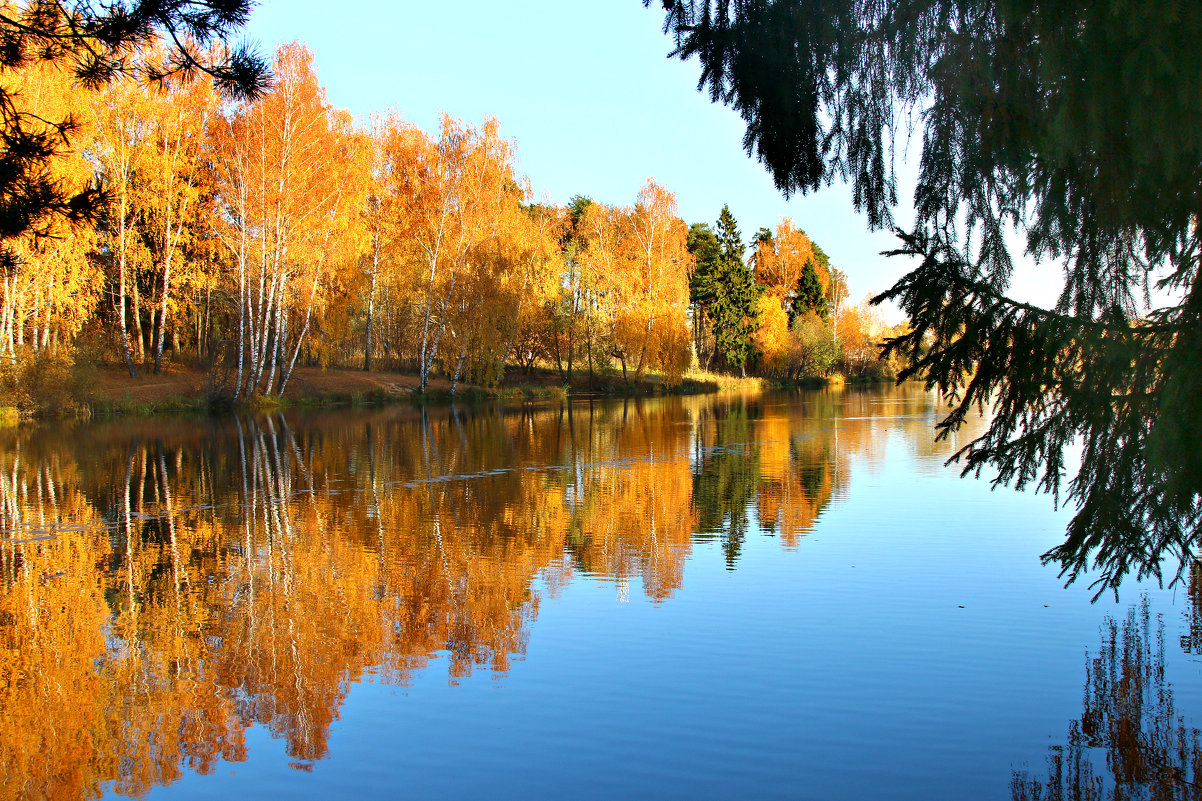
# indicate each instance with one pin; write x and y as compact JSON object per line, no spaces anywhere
{"x":659,"y":284}
{"x":537,"y":282}
{"x":772,"y":338}
{"x":781,"y":258}
{"x":602,"y":230}
{"x":518,"y":268}
{"x":389,"y":247}
{"x":178,"y":113}
{"x":283,"y":180}
{"x":332,"y":287}
{"x":459,"y":190}
{"x":536,"y":275}
{"x":858,"y":328}
{"x":427,"y":214}
{"x":569,"y":321}
{"x":121,"y":142}
{"x":799,"y":313}
{"x":640,"y":265}
{"x":381,"y":218}
{"x":484,"y":311}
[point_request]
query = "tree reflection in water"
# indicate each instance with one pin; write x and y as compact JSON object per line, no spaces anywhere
{"x":163,"y":589}
{"x":1191,"y":641}
{"x":1130,"y":741}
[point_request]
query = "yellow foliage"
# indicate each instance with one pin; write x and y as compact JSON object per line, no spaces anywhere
{"x":639,"y":264}
{"x":55,"y":286}
{"x":279,"y":233}
{"x":771,"y":338}
{"x":779,"y":263}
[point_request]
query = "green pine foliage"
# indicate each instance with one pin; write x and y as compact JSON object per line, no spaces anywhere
{"x":706,"y":251}
{"x":810,"y":295}
{"x":728,"y":292}
{"x":1079,"y":125}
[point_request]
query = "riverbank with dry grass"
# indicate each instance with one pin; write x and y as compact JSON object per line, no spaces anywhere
{"x":50,"y":390}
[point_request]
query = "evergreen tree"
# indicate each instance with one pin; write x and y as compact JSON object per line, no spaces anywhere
{"x":809,"y":296}
{"x":706,"y":252}
{"x":577,"y":206}
{"x":1078,"y":124}
{"x":730,"y":293}
{"x":729,"y":238}
{"x":824,"y":261}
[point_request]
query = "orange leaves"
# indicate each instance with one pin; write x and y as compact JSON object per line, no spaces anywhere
{"x":779,"y":262}
{"x":858,"y":328}
{"x":639,"y":265}
{"x":275,"y":230}
{"x":463,"y":202}
{"x":771,"y":338}
{"x":287,"y":183}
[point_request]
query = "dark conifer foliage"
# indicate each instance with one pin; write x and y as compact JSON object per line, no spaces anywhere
{"x":1079,"y":125}
{"x":96,"y":42}
{"x":810,"y":295}
{"x":724,"y":286}
{"x":706,"y":251}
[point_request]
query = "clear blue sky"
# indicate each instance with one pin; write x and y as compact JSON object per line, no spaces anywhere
{"x":587,"y":92}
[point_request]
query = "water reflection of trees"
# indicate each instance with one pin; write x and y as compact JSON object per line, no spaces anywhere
{"x":163,"y":590}
{"x":1191,"y":640}
{"x":780,"y":461}
{"x":1130,"y":741}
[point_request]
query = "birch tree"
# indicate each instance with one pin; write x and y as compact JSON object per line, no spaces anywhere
{"x":456,"y":187}
{"x":284,"y":193}
{"x":179,"y":113}
{"x":120,"y":146}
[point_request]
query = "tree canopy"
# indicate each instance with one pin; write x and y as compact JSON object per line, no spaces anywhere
{"x":1076,"y":125}
{"x":810,"y":295}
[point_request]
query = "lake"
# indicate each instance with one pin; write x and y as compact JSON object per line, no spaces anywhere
{"x":777,"y":596}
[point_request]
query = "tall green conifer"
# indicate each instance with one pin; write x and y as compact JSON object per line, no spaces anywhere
{"x":810,"y":295}
{"x":729,"y":292}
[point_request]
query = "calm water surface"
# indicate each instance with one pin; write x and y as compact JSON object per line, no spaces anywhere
{"x":775,"y":597}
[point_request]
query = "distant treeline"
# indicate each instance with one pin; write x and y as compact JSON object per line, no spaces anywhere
{"x":253,"y":237}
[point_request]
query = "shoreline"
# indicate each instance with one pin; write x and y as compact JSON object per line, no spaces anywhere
{"x":103,"y":392}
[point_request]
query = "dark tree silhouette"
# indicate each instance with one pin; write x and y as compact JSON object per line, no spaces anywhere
{"x":1077,"y":124}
